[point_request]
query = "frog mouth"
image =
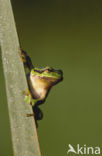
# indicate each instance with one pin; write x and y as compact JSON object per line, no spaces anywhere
{"x":51,"y":78}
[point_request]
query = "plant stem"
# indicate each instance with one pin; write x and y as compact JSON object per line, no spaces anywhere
{"x":23,"y":129}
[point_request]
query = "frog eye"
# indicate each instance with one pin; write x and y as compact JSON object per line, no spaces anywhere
{"x":48,"y":70}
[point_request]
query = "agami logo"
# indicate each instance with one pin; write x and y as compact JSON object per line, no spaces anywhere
{"x":84,"y":150}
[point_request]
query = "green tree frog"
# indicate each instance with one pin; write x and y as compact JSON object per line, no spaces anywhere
{"x":40,"y":81}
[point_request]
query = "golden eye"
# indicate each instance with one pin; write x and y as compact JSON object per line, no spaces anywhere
{"x":47,"y":70}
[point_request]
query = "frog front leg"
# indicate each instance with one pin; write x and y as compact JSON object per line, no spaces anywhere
{"x":28,"y":98}
{"x":25,"y":59}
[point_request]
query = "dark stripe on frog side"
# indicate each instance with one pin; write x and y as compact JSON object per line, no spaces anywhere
{"x":42,"y":70}
{"x":39,"y":71}
{"x":49,"y":78}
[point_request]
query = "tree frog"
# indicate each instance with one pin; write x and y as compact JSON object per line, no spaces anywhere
{"x":40,"y":81}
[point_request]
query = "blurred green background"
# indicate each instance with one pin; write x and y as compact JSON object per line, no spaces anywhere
{"x":65,"y":34}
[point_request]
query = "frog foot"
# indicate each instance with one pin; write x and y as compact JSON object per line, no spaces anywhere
{"x":25,"y":59}
{"x":28,"y":98}
{"x":29,"y":115}
{"x":27,"y":93}
{"x":23,"y":55}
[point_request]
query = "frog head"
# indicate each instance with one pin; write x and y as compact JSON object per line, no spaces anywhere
{"x":41,"y":80}
{"x":47,"y":75}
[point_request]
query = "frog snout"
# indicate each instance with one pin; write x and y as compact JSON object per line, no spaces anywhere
{"x":61,"y":73}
